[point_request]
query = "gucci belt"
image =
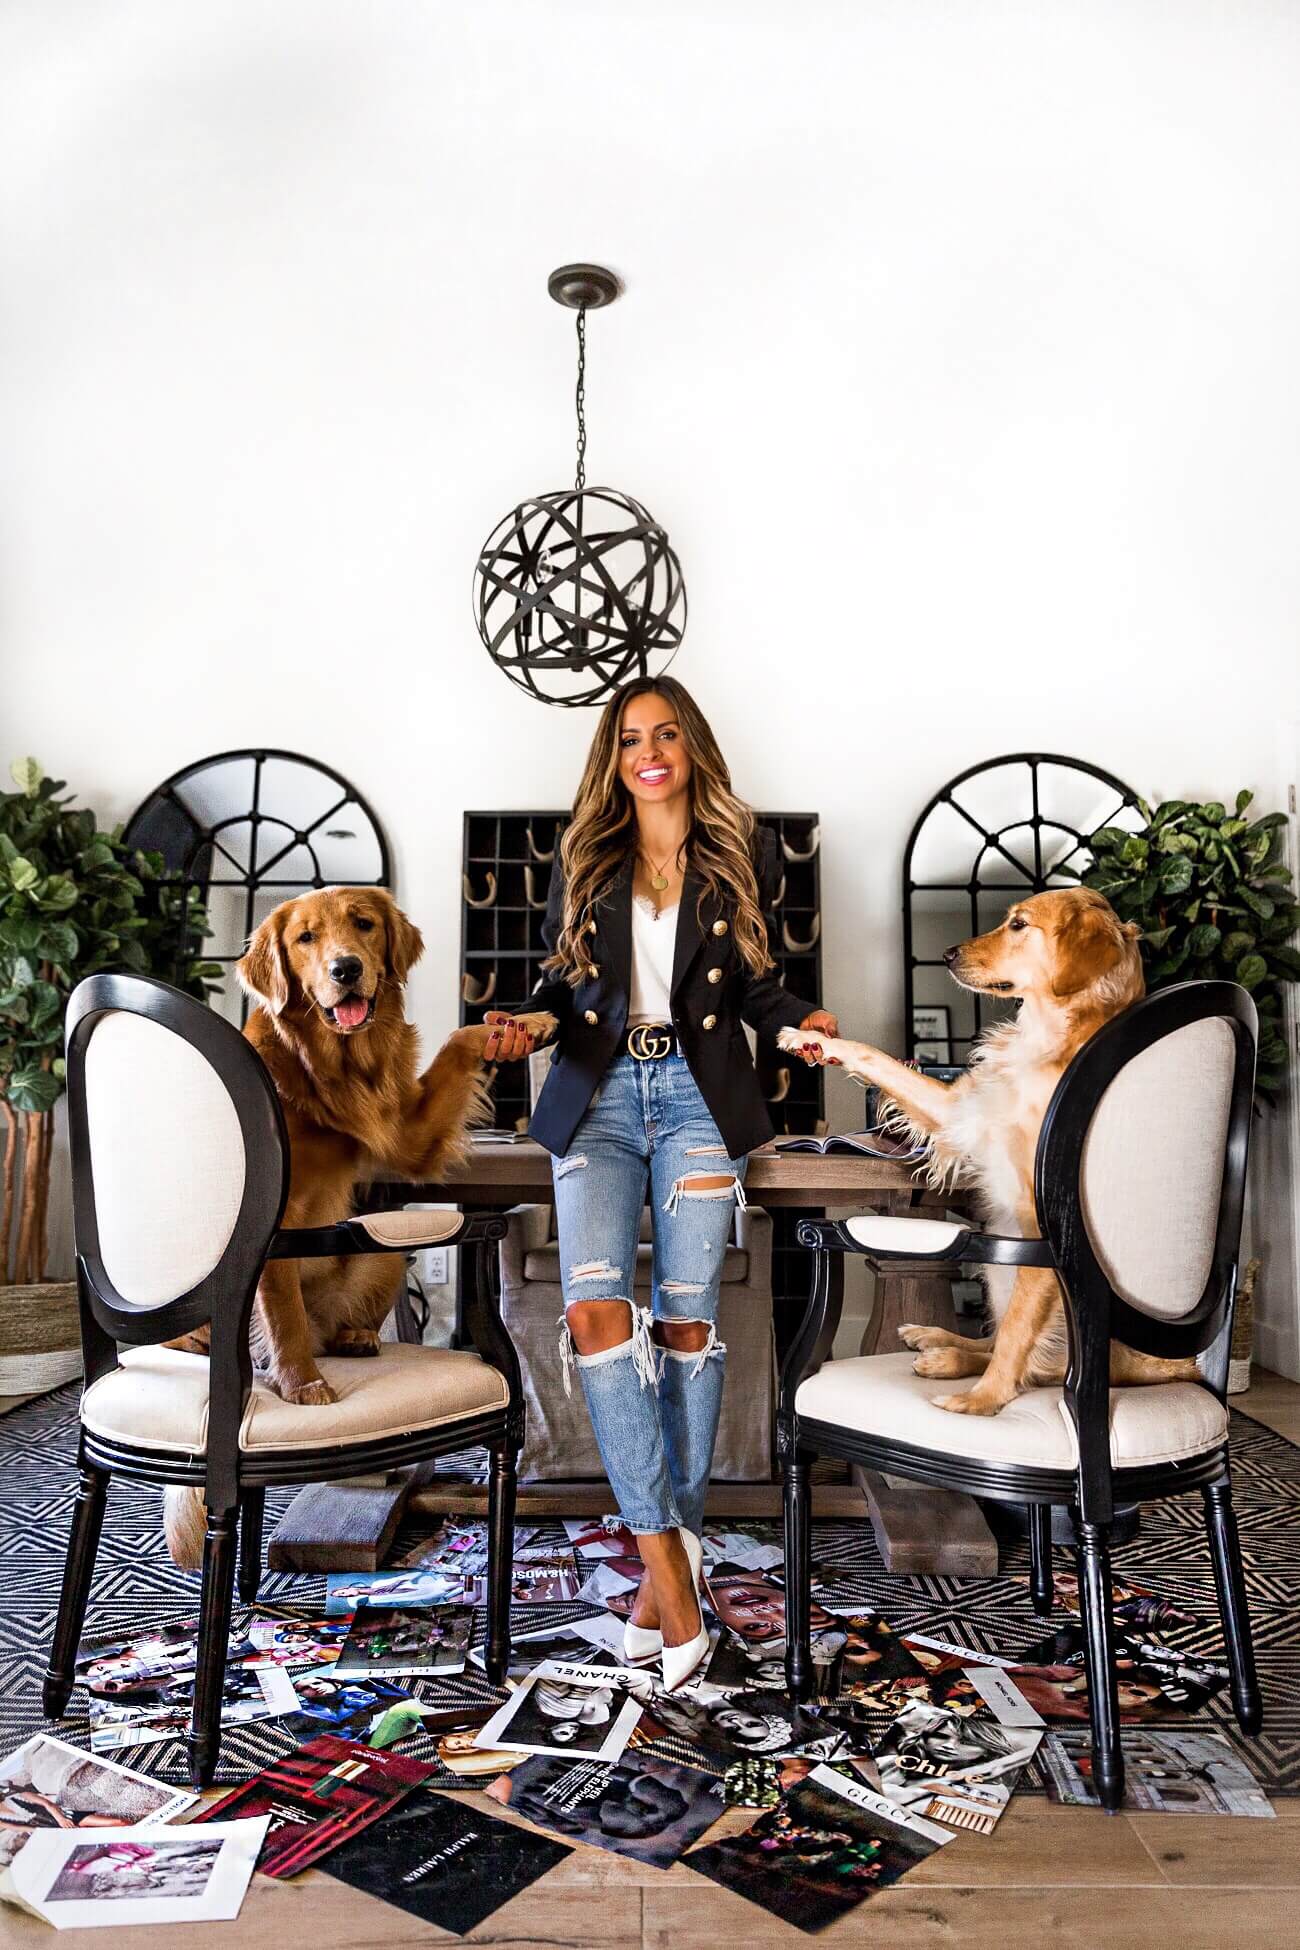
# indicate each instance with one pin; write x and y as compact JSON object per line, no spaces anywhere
{"x":648,"y":1040}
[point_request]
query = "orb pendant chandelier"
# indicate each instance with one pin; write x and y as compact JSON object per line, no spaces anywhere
{"x":577,"y":591}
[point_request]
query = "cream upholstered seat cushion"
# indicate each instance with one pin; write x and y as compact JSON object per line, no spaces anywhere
{"x":879,"y":1395}
{"x":882,"y":1234}
{"x":410,"y":1228}
{"x":158,"y":1399}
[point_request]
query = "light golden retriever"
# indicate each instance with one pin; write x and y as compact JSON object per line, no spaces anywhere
{"x":1074,"y":964}
{"x":326,"y":971}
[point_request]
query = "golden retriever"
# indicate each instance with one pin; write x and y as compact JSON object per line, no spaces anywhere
{"x":326,"y":970}
{"x":1074,"y":964}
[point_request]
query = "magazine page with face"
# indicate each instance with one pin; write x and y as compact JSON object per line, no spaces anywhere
{"x":642,"y":1806}
{"x":46,"y":1783}
{"x":952,"y":1768}
{"x":876,"y":1666}
{"x":317,"y":1798}
{"x":148,"y":1661}
{"x":451,"y":1865}
{"x":138,"y":1875}
{"x":345,"y":1591}
{"x":1152,"y":1680}
{"x":289,"y":1640}
{"x":753,"y":1606}
{"x":724,"y":1727}
{"x":386,"y":1641}
{"x":825,"y":1848}
{"x":955,"y":1681}
{"x":247,"y":1693}
{"x":567,"y":1709}
{"x":1166,"y":1771}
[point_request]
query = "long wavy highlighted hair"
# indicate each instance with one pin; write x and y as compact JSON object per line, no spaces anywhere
{"x":602,"y":832}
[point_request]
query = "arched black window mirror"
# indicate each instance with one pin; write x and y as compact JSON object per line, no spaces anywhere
{"x":249,"y":828}
{"x":1009,"y":827}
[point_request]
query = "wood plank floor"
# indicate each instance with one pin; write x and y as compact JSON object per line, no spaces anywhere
{"x":1070,"y":1877}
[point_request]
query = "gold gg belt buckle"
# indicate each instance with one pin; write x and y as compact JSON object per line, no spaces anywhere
{"x":649,"y":1039}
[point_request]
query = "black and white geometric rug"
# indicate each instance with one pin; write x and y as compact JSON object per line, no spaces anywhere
{"x":136,"y":1583}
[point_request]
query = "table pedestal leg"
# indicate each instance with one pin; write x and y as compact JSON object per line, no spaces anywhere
{"x":917,"y":1529}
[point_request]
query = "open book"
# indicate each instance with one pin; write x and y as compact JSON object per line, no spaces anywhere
{"x":876,"y":1143}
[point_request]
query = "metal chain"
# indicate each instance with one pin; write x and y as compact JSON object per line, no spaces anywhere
{"x":580,"y":478}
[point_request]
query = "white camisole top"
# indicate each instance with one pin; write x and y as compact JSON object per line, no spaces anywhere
{"x":654,"y":938}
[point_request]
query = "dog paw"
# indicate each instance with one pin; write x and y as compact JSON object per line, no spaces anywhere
{"x":969,"y":1403}
{"x":540,"y":1024}
{"x":354,"y":1341}
{"x":941,"y":1364}
{"x":913,"y":1336}
{"x":302,"y":1393}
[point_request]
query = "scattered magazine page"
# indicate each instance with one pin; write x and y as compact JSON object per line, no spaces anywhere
{"x":472,"y":1765}
{"x":600,"y":1537}
{"x":875,"y":1664}
{"x":567,"y":1710}
{"x":604,"y":1583}
{"x":827,"y":1846}
{"x":46,"y":1783}
{"x":279,"y":1639}
{"x":449,"y":1864}
{"x":723,"y":1727}
{"x":317,"y":1798}
{"x":1153,"y":1680}
{"x":148,"y":1661}
{"x":138,"y":1875}
{"x":952,"y":1768}
{"x":582,"y":1641}
{"x":461,"y":1547}
{"x":957,"y":1679}
{"x":1134,"y":1606}
{"x":533,"y":1581}
{"x":351,"y":1709}
{"x":1166,"y":1772}
{"x":741,"y":1550}
{"x":641,"y":1806}
{"x":385,"y":1642}
{"x":346,"y":1590}
{"x":753,"y":1605}
{"x":247,"y":1693}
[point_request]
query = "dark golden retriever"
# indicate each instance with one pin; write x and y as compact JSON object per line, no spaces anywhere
{"x":326,"y":971}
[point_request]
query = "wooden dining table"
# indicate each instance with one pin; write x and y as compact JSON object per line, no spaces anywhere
{"x":918,"y":1530}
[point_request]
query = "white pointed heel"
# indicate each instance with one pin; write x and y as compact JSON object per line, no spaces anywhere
{"x":680,"y":1661}
{"x":641,"y":1646}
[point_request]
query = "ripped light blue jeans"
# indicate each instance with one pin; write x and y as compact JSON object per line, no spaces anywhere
{"x":654,"y":1410}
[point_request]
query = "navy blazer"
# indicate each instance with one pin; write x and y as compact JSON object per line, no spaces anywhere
{"x":713,"y":995}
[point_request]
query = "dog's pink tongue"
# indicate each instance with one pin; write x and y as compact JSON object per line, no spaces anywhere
{"x":352,"y":1013}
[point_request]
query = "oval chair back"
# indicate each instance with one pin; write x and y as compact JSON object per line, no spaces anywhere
{"x":1140,"y":1181}
{"x":180,"y":1172}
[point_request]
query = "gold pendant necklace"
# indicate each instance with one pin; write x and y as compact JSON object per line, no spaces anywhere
{"x":658,"y":878}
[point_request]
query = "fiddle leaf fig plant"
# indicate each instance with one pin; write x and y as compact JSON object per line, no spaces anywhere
{"x":73,"y":900}
{"x":1212,"y":894}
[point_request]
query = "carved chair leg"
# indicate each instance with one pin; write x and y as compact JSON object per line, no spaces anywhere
{"x":1230,"y":1583}
{"x":501,"y":1552}
{"x":83,"y":1543}
{"x":214,"y":1640}
{"x":797,"y":1504}
{"x":1099,"y":1649}
{"x":252,"y":1508}
{"x":1042,"y":1589}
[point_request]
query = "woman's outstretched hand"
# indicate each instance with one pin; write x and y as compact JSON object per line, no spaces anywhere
{"x":828,"y":1025}
{"x":511,"y":1042}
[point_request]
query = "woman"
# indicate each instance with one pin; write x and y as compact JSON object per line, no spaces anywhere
{"x":658,"y":957}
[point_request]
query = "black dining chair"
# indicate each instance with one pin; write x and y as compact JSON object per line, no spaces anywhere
{"x":180,"y":1171}
{"x":1139,"y":1182}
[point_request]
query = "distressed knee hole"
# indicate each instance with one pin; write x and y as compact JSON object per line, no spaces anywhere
{"x":595,"y":1269}
{"x":695,"y":1341}
{"x":679,"y":1286}
{"x":636,"y":1345}
{"x":565,"y":1165}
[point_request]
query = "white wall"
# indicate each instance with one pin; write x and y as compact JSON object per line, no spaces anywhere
{"x":957,"y":356}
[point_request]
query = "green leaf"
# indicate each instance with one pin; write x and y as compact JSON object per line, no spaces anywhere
{"x":27,"y":774}
{"x":1112,"y":838}
{"x":1203,"y":940}
{"x":34,"y":1089}
{"x":1257,"y":903}
{"x":1285,"y":962}
{"x":1171,"y":809}
{"x":59,"y":893}
{"x":23,"y":875}
{"x":59,"y":1068}
{"x":1244,"y":798}
{"x":14,"y":1006}
{"x":1214,"y":812}
{"x":1157,"y":937}
{"x":1175,"y":875}
{"x":1251,"y":970}
{"x":98,"y":855}
{"x":1237,"y":944}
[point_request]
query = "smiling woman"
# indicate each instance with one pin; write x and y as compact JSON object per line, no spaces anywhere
{"x":657,"y":929}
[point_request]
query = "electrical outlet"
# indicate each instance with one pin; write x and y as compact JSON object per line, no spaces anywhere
{"x":436,"y":1261}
